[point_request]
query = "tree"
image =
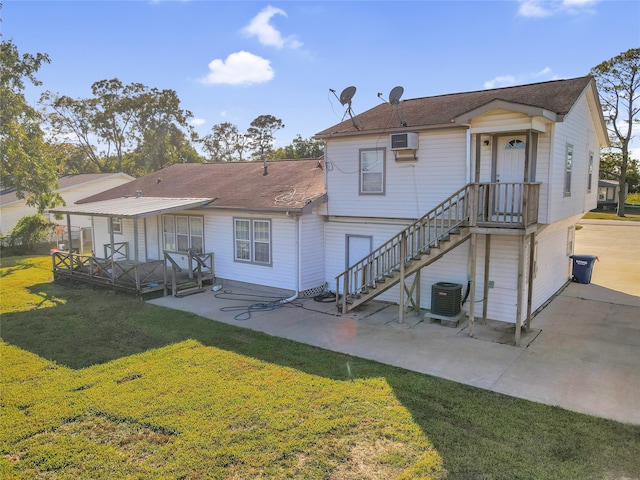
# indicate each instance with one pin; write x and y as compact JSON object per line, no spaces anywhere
{"x":25,"y":163}
{"x":300,"y":148}
{"x":261,"y":134}
{"x":618,"y":82}
{"x":610,"y":163}
{"x":224,"y":143}
{"x":121,"y":119}
{"x":28,"y":232}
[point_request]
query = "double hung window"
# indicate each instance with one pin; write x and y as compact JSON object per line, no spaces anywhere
{"x":252,"y":240}
{"x":183,"y":232}
{"x":567,"y":171}
{"x":372,"y":171}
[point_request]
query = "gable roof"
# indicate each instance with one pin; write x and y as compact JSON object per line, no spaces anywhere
{"x":65,"y":182}
{"x":288,"y":185}
{"x":551,"y":99}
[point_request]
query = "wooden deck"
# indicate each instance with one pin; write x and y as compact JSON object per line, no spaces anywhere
{"x":134,"y":277}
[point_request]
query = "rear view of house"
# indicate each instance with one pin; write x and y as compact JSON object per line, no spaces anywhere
{"x":480,"y":189}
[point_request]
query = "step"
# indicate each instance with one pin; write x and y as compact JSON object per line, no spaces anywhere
{"x":189,"y":291}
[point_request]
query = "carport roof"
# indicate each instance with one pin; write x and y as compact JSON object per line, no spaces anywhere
{"x":132,"y":207}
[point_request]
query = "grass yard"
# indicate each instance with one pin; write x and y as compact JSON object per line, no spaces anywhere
{"x":100,"y":385}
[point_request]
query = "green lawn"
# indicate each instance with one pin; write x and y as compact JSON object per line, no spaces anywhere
{"x":100,"y":385}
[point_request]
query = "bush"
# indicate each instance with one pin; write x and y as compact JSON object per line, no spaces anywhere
{"x":28,"y":232}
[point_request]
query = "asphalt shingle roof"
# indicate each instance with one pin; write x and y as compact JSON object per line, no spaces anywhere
{"x":289,"y":184}
{"x":557,"y":96}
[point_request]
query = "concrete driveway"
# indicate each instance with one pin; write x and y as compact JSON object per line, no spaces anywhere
{"x":583,"y":352}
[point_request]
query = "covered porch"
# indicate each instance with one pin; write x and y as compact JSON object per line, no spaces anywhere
{"x":125,"y":265}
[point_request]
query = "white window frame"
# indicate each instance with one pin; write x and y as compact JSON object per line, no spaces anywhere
{"x":590,"y":173}
{"x":250,"y":241}
{"x":115,"y":224}
{"x":193,"y":235}
{"x":568,"y":166}
{"x":368,"y":166}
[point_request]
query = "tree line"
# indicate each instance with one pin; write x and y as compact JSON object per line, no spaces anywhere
{"x":131,"y":128}
{"x":139,"y":129}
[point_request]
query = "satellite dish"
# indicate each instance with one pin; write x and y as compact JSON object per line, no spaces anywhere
{"x":347,"y":94}
{"x":395,"y":94}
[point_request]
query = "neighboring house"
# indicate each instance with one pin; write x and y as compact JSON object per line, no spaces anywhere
{"x":70,"y":187}
{"x":608,"y":194}
{"x":260,"y":221}
{"x":480,"y":189}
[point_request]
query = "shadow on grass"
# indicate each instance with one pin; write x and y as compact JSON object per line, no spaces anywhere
{"x":479,"y":434}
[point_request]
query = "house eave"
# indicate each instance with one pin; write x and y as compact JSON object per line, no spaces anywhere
{"x":528,"y":110}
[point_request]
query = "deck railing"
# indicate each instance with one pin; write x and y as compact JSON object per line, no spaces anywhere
{"x":491,"y":205}
{"x":125,"y":274}
{"x":204,"y":267}
{"x":120,"y":250}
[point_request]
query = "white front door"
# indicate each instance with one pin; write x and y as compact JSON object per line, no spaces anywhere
{"x":510,"y":161}
{"x":509,"y":176}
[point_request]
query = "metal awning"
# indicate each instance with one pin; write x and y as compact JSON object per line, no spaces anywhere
{"x":132,"y":207}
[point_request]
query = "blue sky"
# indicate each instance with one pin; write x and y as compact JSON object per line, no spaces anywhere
{"x":233,"y":61}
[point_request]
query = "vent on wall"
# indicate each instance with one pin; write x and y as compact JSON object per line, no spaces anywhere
{"x":446,"y":299}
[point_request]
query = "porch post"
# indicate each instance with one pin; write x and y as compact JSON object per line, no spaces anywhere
{"x":532,"y":246}
{"x":520,"y":288}
{"x":478,"y":150}
{"x":69,"y":231}
{"x":487,"y":266}
{"x":111,"y":237}
{"x":472,"y":283}
{"x":403,"y":253}
{"x":135,"y":238}
{"x":527,"y":156}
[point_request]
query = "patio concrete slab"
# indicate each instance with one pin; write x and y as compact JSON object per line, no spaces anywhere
{"x":583,"y":352}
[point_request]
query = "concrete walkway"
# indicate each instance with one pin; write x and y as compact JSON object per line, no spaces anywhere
{"x":583,"y":352}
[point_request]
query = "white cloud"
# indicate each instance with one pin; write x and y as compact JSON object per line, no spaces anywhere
{"x":501,"y":81}
{"x":196,"y":122}
{"x":521,"y":79}
{"x":266,"y":33}
{"x":547,"y":8}
{"x":240,"y":68}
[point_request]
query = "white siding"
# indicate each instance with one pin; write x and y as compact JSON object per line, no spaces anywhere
{"x":311,"y":252}
{"x":553,"y":265}
{"x":282,"y":273}
{"x":412,"y":187}
{"x":578,"y":130}
{"x":336,"y":231}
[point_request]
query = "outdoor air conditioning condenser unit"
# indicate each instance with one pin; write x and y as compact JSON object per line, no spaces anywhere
{"x":446,"y":299}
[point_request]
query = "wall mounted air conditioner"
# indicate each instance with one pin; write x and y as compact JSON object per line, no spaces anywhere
{"x":404,"y":141}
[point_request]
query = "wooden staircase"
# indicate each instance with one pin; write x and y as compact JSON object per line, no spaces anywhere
{"x":200,"y":270}
{"x":475,"y":208}
{"x":423,"y":242}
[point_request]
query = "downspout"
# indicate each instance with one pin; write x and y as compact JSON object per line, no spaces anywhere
{"x":296,"y":220}
{"x":468,"y":180}
{"x":468,"y":159}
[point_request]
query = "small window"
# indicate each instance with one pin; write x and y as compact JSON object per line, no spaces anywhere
{"x":116,"y":225}
{"x":252,"y":241}
{"x":372,"y":170}
{"x":514,"y":144}
{"x":567,"y":171}
{"x":590,"y":173}
{"x":571,"y":234}
{"x":182,"y":233}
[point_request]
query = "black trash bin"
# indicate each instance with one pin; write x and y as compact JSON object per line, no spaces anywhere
{"x":583,"y":267}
